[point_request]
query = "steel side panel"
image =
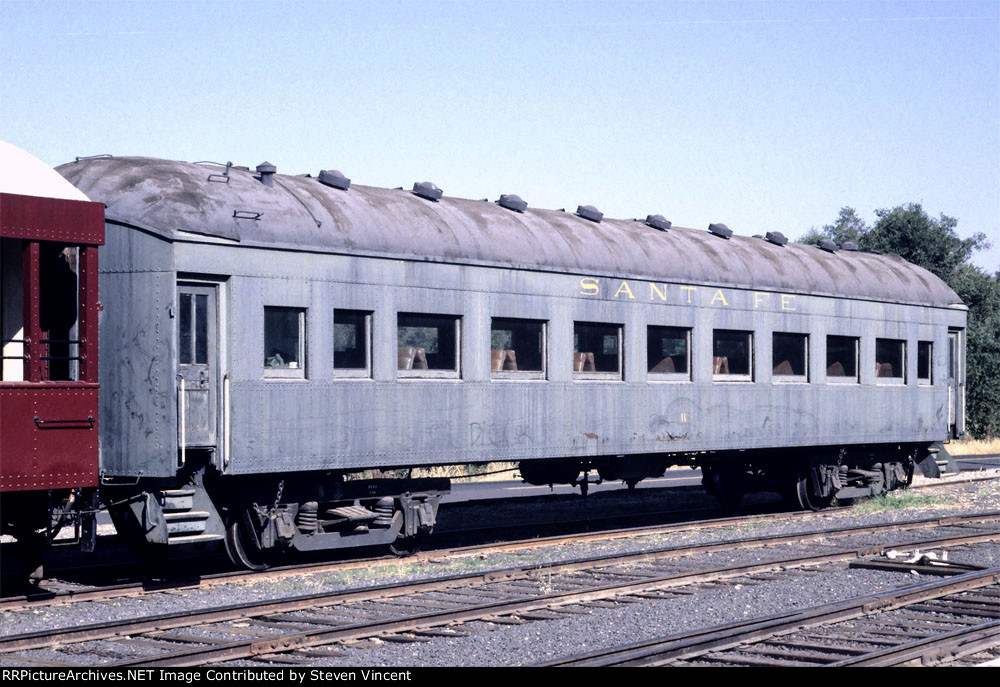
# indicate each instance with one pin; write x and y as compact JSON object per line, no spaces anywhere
{"x":138,"y":356}
{"x":61,"y":449}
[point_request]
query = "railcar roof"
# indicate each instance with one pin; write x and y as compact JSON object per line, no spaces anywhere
{"x":26,"y":175}
{"x":300,"y":212}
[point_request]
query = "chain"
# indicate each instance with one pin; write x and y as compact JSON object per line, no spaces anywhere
{"x":277,"y":498}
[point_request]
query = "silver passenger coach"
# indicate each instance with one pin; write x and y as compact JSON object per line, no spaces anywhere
{"x":267,"y":341}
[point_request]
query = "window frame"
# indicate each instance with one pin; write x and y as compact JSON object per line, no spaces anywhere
{"x":522,"y":375}
{"x":288,"y":372}
{"x":792,"y":378}
{"x":845,"y":379}
{"x":929,"y":379}
{"x":451,"y":373}
{"x":741,"y":378}
{"x":670,"y":376}
{"x":602,"y":376}
{"x":895,"y":380}
{"x":354,"y":372}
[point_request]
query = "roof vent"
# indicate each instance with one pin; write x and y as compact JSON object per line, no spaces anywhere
{"x":589,"y":212}
{"x":827,"y":245}
{"x":512,"y":201}
{"x":267,"y":172}
{"x":849,"y":245}
{"x":333,"y":177}
{"x":776,"y":237}
{"x":426,"y":189}
{"x":657,"y":222}
{"x":720,"y":230}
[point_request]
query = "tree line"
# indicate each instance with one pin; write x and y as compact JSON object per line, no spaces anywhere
{"x":932,"y":243}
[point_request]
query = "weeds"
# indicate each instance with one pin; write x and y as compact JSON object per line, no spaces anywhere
{"x":900,"y":501}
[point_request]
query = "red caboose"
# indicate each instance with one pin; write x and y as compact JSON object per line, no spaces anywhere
{"x":49,"y":450}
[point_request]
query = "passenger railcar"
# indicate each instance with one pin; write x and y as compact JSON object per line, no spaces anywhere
{"x":49,"y":238}
{"x":268,"y":341}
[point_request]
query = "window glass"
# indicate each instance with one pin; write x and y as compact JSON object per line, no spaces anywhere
{"x":668,"y":352}
{"x":284,"y":340}
{"x":350,"y":339}
{"x":889,"y":357}
{"x":789,"y":354}
{"x":842,"y":358}
{"x":516,"y":346}
{"x":427,"y":343}
{"x":58,"y":297}
{"x":193,"y":329}
{"x":597,"y":349}
{"x":924,"y":357}
{"x":732,"y":354}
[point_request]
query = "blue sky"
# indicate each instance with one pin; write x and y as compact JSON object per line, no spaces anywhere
{"x":762,"y":115}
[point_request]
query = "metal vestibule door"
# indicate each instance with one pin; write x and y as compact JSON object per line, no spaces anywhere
{"x":956,"y":383}
{"x":198,"y":365}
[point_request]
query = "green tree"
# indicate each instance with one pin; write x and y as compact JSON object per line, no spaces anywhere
{"x":847,"y":227}
{"x":908,"y":231}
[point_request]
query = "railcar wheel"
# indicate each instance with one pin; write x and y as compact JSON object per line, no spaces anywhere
{"x":727,"y":485}
{"x":242,"y":547}
{"x":805,"y":493}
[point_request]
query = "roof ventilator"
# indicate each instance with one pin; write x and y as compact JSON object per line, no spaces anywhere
{"x":426,"y":189}
{"x":512,"y":201}
{"x":849,"y":245}
{"x":102,"y":156}
{"x":776,"y":237}
{"x":658,"y":222}
{"x":827,"y":245}
{"x":589,"y":212}
{"x":333,"y":177}
{"x":720,"y":230}
{"x":267,"y":172}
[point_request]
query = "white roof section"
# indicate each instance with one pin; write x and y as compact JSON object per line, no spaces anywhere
{"x":26,"y":175}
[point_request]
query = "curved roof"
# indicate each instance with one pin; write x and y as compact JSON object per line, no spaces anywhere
{"x":26,"y":175}
{"x":301,"y":212}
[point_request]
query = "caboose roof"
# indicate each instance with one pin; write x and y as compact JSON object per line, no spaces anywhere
{"x":299,"y":212}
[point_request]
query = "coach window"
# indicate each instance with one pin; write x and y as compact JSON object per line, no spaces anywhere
{"x":12,"y":309}
{"x":517,"y":349}
{"x":789,"y":357}
{"x":842,"y":359}
{"x":668,"y":353}
{"x":732,"y":356}
{"x":284,"y":342}
{"x":597,"y":351}
{"x":890,"y":355}
{"x":924,"y":358}
{"x":427,"y":345}
{"x":351,"y":348}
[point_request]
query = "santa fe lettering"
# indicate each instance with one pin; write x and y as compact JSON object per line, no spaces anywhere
{"x":660,"y":293}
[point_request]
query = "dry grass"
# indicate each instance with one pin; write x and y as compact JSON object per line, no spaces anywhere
{"x":974,"y":447}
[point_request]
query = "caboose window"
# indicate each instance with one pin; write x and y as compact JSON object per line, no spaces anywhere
{"x":284,"y":342}
{"x":924,"y":357}
{"x":597,"y":350}
{"x":841,"y":359}
{"x":193,"y":329}
{"x":517,"y":348}
{"x":732,"y":355}
{"x":427,"y":345}
{"x":668,"y":353}
{"x":789,"y":356}
{"x":351,"y":349}
{"x":890,"y":355}
{"x":12,"y":309}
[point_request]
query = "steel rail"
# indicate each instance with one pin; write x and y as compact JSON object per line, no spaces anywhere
{"x":694,"y":644}
{"x":938,"y":648}
{"x":256,"y":646}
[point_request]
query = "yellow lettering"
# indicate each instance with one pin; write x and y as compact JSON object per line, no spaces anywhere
{"x":786,"y":302}
{"x":718,"y":297}
{"x":689,"y":289}
{"x":589,"y":287}
{"x":662,"y":294}
{"x":624,"y":287}
{"x":757,"y":296}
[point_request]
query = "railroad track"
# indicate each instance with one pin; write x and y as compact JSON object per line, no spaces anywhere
{"x":923,"y":624}
{"x":302,"y":629}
